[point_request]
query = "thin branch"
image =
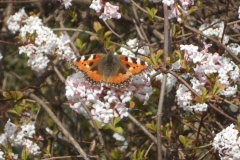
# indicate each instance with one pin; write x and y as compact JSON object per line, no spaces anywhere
{"x":142,"y":127}
{"x":75,"y":30}
{"x":135,"y":4}
{"x":58,"y":123}
{"x":214,"y":40}
{"x":164,"y":70}
{"x":222,"y":113}
{"x":98,"y":132}
{"x":164,"y":80}
{"x":62,"y":25}
{"x":119,"y":36}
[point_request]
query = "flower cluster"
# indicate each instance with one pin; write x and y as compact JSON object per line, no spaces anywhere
{"x":1,"y":155}
{"x":166,"y":2}
{"x":206,"y":63}
{"x":235,"y":48}
{"x":14,"y":21}
{"x":185,"y":3}
{"x":176,"y":10}
{"x":216,"y":30}
{"x":110,"y":11}
{"x":171,"y":80}
{"x":134,"y":45}
{"x":120,"y":138}
{"x":43,"y":42}
{"x":105,"y":102}
{"x":20,"y":136}
{"x":66,"y":3}
{"x":227,"y":142}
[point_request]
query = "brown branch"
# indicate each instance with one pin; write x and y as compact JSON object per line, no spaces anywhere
{"x":142,"y":127}
{"x":144,"y":11}
{"x":222,"y":113}
{"x":29,"y":93}
{"x":164,"y":80}
{"x":99,"y":134}
{"x":214,"y":40}
{"x":58,"y":123}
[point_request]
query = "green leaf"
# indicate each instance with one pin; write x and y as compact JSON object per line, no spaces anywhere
{"x":47,"y":151}
{"x":204,"y":97}
{"x":152,"y":126}
{"x":116,"y":120}
{"x":18,"y":109}
{"x":168,"y":134}
{"x":182,"y":139}
{"x":24,"y":154}
{"x":107,"y":41}
{"x":118,"y":130}
{"x":131,"y":104}
{"x":100,"y":33}
{"x":153,"y":58}
{"x":186,"y":143}
{"x":16,"y":95}
{"x":238,"y":120}
{"x":13,"y":111}
{"x":92,"y":38}
{"x":111,"y":47}
{"x":97,"y":26}
{"x":114,"y":154}
{"x":73,"y":15}
{"x":99,"y":124}
{"x":106,"y":34}
{"x":138,"y":154}
{"x":217,"y":88}
{"x":159,"y":53}
{"x":151,"y":12}
{"x":79,"y":43}
{"x":192,"y":10}
{"x":145,"y":3}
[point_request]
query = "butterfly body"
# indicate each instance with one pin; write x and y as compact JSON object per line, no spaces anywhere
{"x":112,"y":70}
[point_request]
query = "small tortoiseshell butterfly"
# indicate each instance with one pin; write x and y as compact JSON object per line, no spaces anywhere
{"x":112,"y":70}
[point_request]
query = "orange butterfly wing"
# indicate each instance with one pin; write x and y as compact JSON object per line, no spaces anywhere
{"x":85,"y":64}
{"x":134,"y":65}
{"x":94,"y":69}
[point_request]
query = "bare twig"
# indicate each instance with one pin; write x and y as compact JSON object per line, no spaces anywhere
{"x":58,"y":123}
{"x":214,"y":40}
{"x":98,"y":131}
{"x":135,"y":4}
{"x":164,"y":79}
{"x":119,"y":36}
{"x":142,"y":127}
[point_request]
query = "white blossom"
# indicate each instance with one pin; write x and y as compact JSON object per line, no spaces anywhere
{"x":105,"y":102}
{"x":216,"y":30}
{"x":167,"y":2}
{"x":227,"y":143}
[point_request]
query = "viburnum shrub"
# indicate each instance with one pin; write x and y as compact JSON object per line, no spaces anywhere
{"x":120,"y":80}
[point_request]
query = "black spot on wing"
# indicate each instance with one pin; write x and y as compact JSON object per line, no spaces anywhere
{"x":78,"y":59}
{"x":88,"y":56}
{"x":125,"y":58}
{"x":134,"y":60}
{"x":95,"y":68}
{"x":91,"y":63}
{"x":142,"y":63}
{"x":122,"y":70}
{"x":128,"y":66}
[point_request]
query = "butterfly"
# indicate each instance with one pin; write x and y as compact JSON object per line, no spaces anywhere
{"x":112,"y":70}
